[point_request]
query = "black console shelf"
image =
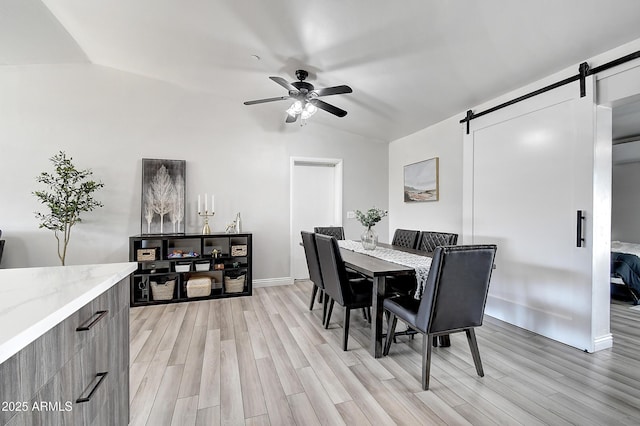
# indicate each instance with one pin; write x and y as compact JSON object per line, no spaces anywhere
{"x":168,"y":261}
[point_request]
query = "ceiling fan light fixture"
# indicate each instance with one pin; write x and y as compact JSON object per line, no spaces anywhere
{"x":308,"y":111}
{"x":295,"y":108}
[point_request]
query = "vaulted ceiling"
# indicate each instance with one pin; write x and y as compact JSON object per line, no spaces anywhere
{"x":410,"y":63}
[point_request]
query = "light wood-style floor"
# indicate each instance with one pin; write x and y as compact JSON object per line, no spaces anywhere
{"x":266,"y":360}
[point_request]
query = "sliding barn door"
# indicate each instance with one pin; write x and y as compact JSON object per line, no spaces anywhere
{"x":528,"y":170}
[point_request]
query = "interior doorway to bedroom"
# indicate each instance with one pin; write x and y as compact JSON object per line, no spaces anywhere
{"x":625,"y":175}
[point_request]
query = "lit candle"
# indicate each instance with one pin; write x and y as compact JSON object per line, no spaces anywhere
{"x":212,"y":203}
{"x":199,"y":210}
{"x":205,"y":203}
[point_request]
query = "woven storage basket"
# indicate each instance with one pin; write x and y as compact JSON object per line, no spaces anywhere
{"x":234,"y":285}
{"x":162,"y":291}
{"x":199,"y":287}
{"x":239,"y":250}
{"x":146,"y":254}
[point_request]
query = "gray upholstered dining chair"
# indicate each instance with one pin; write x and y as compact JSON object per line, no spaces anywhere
{"x":405,"y":238}
{"x":334,"y":231}
{"x":429,"y":240}
{"x":453,"y":300}
{"x":350,"y":293}
{"x":313,"y":264}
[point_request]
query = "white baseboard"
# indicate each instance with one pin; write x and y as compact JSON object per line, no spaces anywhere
{"x":603,"y":342}
{"x":272,"y":282}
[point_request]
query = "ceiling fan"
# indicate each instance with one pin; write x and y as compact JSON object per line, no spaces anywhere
{"x":306,"y":97}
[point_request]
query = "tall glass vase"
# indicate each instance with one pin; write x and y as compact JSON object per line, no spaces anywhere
{"x":369,"y":239}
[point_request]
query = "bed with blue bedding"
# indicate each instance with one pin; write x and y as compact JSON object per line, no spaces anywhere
{"x":625,"y":270}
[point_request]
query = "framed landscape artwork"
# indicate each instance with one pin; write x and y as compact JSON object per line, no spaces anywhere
{"x":163,"y":196}
{"x":421,"y":181}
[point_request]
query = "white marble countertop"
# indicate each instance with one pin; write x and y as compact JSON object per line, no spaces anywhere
{"x":34,"y":300}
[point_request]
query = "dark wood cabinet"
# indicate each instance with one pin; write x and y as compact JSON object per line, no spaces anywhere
{"x":182,"y":267}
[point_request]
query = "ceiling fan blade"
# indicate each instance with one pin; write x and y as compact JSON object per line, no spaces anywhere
{"x":336,"y":90}
{"x":261,"y":101}
{"x":284,"y":83}
{"x":328,"y":107}
{"x":291,"y":118}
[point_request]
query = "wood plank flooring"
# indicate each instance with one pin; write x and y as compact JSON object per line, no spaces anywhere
{"x":266,"y":360}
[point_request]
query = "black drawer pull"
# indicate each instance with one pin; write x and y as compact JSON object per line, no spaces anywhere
{"x":100,"y":315}
{"x":95,"y":388}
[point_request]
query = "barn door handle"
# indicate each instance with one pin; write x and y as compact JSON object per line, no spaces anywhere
{"x":580,"y":218}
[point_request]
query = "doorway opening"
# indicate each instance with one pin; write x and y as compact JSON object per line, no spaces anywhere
{"x":315,"y":200}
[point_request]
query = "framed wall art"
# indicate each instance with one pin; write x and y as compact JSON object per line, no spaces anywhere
{"x":163,"y":196}
{"x":421,"y":181}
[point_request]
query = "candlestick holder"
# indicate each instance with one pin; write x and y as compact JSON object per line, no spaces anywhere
{"x":206,"y":215}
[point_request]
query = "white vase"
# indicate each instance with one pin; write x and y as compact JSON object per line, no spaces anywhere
{"x":369,"y":239}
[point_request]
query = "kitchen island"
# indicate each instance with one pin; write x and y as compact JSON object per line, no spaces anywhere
{"x":64,"y":344}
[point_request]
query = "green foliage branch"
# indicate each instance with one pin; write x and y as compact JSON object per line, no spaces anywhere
{"x":68,"y":194}
{"x":371,"y":217}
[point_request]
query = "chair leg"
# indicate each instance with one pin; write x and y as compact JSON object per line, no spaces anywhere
{"x":392,"y":320}
{"x":325,"y":302}
{"x":320,"y":294}
{"x":364,"y":314}
{"x":369,"y":314}
{"x":445,"y":341}
{"x":326,"y":322}
{"x":313,"y":296}
{"x":475,"y":353}
{"x":347,"y":316}
{"x":426,"y":361}
{"x":435,"y":341}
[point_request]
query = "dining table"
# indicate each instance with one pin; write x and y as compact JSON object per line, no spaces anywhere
{"x":366,"y":263}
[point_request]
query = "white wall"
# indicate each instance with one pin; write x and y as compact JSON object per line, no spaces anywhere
{"x":109,"y":120}
{"x":625,"y":198}
{"x":443,"y":140}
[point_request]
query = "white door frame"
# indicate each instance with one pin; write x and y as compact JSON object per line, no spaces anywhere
{"x":337,"y":167}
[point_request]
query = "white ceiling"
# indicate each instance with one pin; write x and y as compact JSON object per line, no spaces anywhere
{"x":410,"y":63}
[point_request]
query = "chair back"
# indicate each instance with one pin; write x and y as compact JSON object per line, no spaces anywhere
{"x":405,"y":238}
{"x":333,"y":231}
{"x":429,"y":240}
{"x":334,"y":274}
{"x":311,"y":253}
{"x":456,"y":290}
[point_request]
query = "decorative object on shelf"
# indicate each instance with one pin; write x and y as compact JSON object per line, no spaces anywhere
{"x":218,"y":266}
{"x":231,"y":228}
{"x":180,"y":254}
{"x":215,"y":253}
{"x":163,"y":195}
{"x":206,"y":230}
{"x":369,"y":237}
{"x":71,"y":195}
{"x":237,"y":222}
{"x":421,"y":181}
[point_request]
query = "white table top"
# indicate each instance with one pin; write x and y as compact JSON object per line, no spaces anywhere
{"x":34,"y":300}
